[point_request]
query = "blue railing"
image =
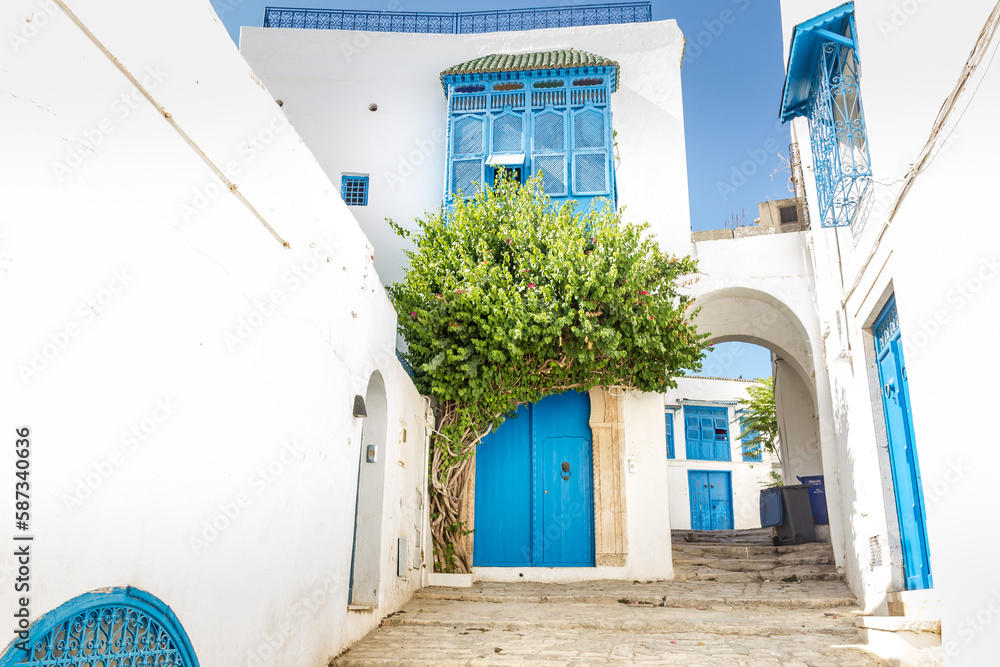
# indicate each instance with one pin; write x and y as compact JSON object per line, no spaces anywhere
{"x":502,"y":20}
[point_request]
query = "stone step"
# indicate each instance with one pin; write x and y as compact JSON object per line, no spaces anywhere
{"x":750,"y":550}
{"x":791,"y":575}
{"x":632,"y":618}
{"x":720,"y":595}
{"x":756,"y":564}
{"x":443,"y":646}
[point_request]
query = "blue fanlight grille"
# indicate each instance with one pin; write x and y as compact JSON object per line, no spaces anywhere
{"x":466,"y":176}
{"x":553,"y":168}
{"x":549,"y":132}
{"x":468,"y":136}
{"x":588,"y":129}
{"x":507,"y":134}
{"x":110,"y":635}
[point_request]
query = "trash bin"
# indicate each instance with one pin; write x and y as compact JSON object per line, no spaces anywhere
{"x":770,"y":506}
{"x":817,"y":497}
{"x":797,"y":525}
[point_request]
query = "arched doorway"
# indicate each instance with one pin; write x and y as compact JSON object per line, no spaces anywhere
{"x":106,"y":627}
{"x":366,"y":556}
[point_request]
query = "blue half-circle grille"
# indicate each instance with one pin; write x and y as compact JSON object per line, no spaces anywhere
{"x":549,"y":132}
{"x":507,"y":134}
{"x":589,"y":129}
{"x":468,"y":136}
{"x":111,"y":636}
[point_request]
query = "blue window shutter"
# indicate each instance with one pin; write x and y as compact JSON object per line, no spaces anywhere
{"x":670,"y":433}
{"x":508,"y":133}
{"x":468,"y":154}
{"x":548,"y":151}
{"x":590,"y":152}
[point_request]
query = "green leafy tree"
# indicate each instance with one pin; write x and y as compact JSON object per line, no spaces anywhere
{"x":508,"y":299}
{"x":759,"y":421}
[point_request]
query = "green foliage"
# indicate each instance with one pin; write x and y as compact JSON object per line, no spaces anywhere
{"x":509,"y":298}
{"x":759,"y":420}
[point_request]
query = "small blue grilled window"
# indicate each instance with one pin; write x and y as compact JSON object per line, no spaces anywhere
{"x":354,"y":190}
{"x":751,"y":451}
{"x":670,"y":434}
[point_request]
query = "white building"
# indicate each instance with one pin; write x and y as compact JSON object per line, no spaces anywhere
{"x":704,"y":451}
{"x":190,"y":311}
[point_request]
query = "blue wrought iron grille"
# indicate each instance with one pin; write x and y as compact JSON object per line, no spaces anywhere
{"x":503,"y":20}
{"x":886,"y":326}
{"x":98,"y":636}
{"x":354,"y":190}
{"x":837,"y":133}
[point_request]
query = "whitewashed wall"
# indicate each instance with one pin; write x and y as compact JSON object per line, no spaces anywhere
{"x":747,"y":478}
{"x":187,"y":379}
{"x":328,"y":78}
{"x":939,"y":257}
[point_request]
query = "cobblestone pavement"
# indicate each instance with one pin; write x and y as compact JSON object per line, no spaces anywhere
{"x":698,"y":620}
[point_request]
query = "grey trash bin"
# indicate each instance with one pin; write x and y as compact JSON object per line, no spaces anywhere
{"x":796,"y":525}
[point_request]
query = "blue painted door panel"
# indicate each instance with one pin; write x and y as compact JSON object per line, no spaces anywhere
{"x":530,"y":510}
{"x":711,"y":500}
{"x":902,"y":450}
{"x":503,"y":495}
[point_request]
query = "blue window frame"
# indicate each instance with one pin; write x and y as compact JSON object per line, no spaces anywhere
{"x":556,"y":121}
{"x":670,"y":433}
{"x":707,"y":433}
{"x":751,"y":452}
{"x":822,"y":84}
{"x":354,"y":190}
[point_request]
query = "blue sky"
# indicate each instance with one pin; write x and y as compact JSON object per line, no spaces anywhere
{"x":732,"y":78}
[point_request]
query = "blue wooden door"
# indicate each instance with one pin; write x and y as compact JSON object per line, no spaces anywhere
{"x":711,"y":497}
{"x":534,"y":487}
{"x":903,"y":461}
{"x":503,"y":495}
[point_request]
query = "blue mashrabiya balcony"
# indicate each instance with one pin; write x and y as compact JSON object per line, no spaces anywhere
{"x":547,"y":112}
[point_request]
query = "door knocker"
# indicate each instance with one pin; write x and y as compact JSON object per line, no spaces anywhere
{"x":565,"y":471}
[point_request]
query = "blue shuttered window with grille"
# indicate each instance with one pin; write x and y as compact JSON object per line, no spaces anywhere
{"x":707,"y":433}
{"x":556,"y":121}
{"x":751,"y":451}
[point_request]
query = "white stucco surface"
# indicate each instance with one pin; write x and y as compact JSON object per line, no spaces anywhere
{"x":328,"y":78}
{"x":187,"y":379}
{"x":747,"y":478}
{"x":937,"y":254}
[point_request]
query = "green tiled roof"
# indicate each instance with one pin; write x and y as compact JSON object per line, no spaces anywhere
{"x":524,"y":62}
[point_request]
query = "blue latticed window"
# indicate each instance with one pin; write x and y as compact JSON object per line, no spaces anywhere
{"x":751,"y":451}
{"x":354,"y":190}
{"x":822,"y":84}
{"x":670,"y":434}
{"x":115,"y":626}
{"x":545,"y":112}
{"x":707,"y":433}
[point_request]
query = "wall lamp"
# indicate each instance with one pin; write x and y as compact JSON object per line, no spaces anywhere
{"x":359,"y":408}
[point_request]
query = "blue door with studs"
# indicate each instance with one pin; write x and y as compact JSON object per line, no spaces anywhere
{"x":906,"y":481}
{"x":534,"y":488}
{"x":711,"y":494}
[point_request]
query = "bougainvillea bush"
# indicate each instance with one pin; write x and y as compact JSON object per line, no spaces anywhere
{"x":508,"y":299}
